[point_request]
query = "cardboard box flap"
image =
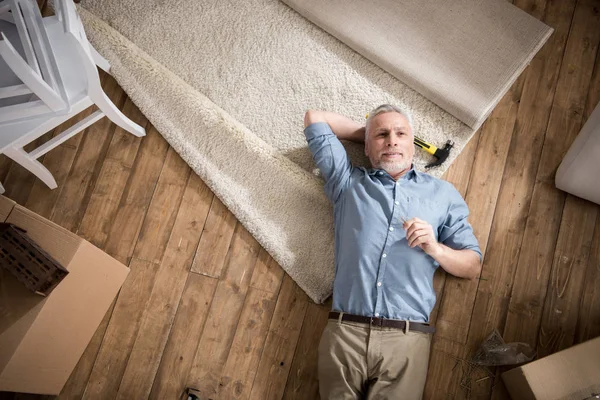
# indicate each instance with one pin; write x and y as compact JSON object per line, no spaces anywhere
{"x":57,"y":241}
{"x":573,"y":373}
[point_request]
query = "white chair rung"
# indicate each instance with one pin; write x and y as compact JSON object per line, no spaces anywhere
{"x":16,"y":90}
{"x":66,"y":135}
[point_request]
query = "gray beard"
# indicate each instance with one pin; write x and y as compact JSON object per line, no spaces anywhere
{"x":393,"y":167}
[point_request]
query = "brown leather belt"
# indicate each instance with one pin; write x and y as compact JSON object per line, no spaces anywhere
{"x":390,"y":323}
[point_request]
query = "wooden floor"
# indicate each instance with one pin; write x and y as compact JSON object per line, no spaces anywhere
{"x":205,"y":306}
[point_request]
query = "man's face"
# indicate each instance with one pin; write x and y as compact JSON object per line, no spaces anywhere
{"x":389,"y":145}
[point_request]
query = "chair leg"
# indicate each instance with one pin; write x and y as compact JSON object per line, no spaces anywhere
{"x":99,"y":60}
{"x":21,"y":157}
{"x":116,"y":116}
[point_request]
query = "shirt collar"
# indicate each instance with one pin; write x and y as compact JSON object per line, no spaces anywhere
{"x":411,"y":174}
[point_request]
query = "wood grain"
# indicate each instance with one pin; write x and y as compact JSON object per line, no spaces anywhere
{"x":168,"y":287}
{"x":302,"y":382}
{"x":122,"y":330}
{"x":561,"y":307}
{"x":541,"y":231}
{"x":76,"y":191}
{"x":113,"y":178}
{"x":267,"y":273}
{"x":281,"y":342}
{"x":215,"y":241}
{"x":248,"y":344}
{"x":224,"y":315}
{"x":177,"y":358}
{"x":137,"y":195}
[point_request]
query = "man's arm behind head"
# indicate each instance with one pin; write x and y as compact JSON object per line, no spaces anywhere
{"x":343,"y":127}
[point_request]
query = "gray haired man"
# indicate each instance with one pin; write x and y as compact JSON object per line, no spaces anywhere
{"x":393,"y":227}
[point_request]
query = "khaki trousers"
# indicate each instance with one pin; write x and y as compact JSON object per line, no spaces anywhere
{"x":359,"y":361}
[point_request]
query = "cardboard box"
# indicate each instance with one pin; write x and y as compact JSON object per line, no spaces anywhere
{"x":6,"y":206}
{"x":571,"y":374}
{"x":42,"y":338}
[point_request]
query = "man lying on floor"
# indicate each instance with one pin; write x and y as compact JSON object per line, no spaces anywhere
{"x":393,"y":227}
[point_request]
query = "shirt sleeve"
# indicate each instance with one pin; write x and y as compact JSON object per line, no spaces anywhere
{"x":456,"y":232}
{"x":331,"y":158}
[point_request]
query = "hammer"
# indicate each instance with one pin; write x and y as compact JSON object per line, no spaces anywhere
{"x":440,"y":154}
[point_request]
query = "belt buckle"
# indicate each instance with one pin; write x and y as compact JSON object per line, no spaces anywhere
{"x":375,"y":322}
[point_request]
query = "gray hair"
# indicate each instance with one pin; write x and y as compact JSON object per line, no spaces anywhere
{"x":385,"y":108}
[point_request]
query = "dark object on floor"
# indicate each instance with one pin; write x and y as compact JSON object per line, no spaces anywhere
{"x":192,"y":394}
{"x":494,"y":352}
{"x":29,"y":263}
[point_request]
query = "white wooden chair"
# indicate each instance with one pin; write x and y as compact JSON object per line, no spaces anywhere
{"x":32,"y":85}
{"x":76,"y":63}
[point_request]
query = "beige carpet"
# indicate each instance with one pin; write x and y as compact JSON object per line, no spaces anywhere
{"x":227,"y":84}
{"x":463,"y":55}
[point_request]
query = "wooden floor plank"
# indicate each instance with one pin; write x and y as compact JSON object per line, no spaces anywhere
{"x":137,"y":196}
{"x":561,"y":307}
{"x":215,"y":240}
{"x":114,"y":175}
{"x":267,"y":273}
{"x":166,"y":294}
{"x":157,"y":225}
{"x":240,"y":368}
{"x":276,"y":359}
{"x":535,"y":260}
{"x":5,"y":164}
{"x":77,"y":189}
{"x":172,"y":375}
{"x":302,"y":382}
{"x":122,"y":330}
{"x":228,"y":301}
{"x":573,"y":260}
{"x":588,"y":324}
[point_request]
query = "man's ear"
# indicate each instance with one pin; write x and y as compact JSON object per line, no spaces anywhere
{"x":367,"y":149}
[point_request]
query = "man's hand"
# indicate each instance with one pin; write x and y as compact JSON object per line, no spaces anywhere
{"x":460,"y":263}
{"x":420,"y":233}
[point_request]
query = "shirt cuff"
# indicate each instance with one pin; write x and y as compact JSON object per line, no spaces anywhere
{"x":317,"y":129}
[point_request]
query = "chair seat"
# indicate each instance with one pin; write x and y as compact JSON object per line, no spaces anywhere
{"x":67,"y":58}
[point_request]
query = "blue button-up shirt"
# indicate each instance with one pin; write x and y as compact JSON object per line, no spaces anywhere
{"x":376,"y":272}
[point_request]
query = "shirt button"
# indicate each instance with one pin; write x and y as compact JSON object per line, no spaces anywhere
{"x":391,"y":229}
{"x":396,"y":202}
{"x":397,"y":182}
{"x":378,"y":283}
{"x":384,"y":255}
{"x":377,"y":314}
